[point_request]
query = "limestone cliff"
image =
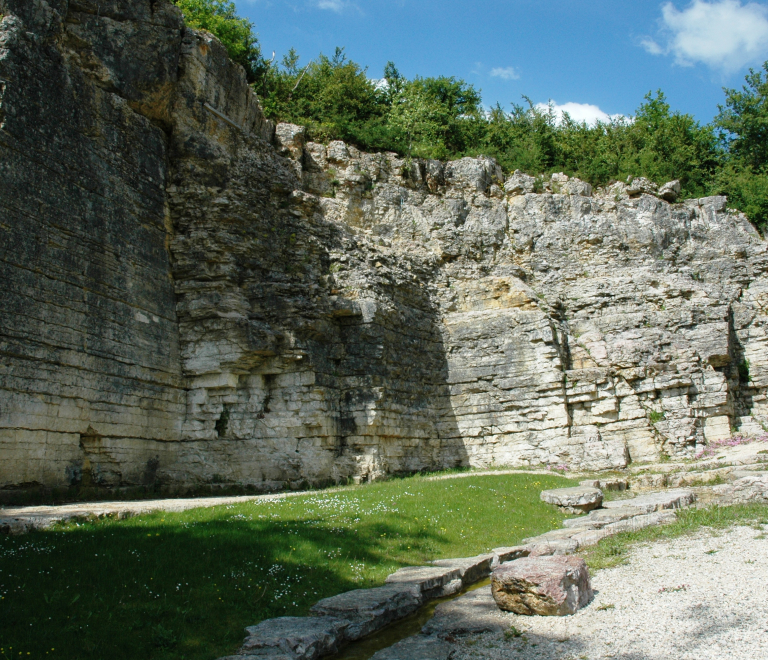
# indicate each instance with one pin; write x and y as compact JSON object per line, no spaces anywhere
{"x":193,"y":295}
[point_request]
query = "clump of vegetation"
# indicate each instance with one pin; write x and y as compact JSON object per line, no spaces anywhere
{"x":184,"y":585}
{"x":655,"y":416}
{"x":614,"y":550}
{"x":220,"y":18}
{"x":443,"y":117}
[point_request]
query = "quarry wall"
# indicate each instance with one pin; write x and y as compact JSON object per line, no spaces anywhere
{"x":195,"y":296}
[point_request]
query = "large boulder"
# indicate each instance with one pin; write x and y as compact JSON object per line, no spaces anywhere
{"x":574,"y":500}
{"x":546,"y":586}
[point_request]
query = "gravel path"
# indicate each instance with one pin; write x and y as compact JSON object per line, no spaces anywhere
{"x":694,"y":598}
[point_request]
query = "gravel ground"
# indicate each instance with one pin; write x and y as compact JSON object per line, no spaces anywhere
{"x":694,"y":598}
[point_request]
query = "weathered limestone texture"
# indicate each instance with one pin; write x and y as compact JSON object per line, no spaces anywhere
{"x":195,"y":296}
{"x":90,"y":379}
{"x":545,"y":586}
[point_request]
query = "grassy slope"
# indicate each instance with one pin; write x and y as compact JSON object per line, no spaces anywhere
{"x":184,"y":585}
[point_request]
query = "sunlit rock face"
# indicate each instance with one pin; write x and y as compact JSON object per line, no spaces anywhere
{"x":196,"y":296}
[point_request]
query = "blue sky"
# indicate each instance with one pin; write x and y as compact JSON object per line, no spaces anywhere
{"x":598,"y":56}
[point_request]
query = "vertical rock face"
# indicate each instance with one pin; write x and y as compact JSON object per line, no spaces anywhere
{"x":90,"y":378}
{"x":197,"y":296}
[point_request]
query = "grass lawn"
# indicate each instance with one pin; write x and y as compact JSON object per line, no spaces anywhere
{"x":184,"y":585}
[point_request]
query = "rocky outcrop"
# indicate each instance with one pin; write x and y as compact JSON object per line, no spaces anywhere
{"x":196,"y":296}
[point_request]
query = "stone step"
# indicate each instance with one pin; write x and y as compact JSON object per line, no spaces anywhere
{"x":368,"y":610}
{"x":650,"y":502}
{"x":602,"y":517}
{"x":590,"y":537}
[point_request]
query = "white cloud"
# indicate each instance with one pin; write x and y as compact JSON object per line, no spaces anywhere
{"x":723,"y":34}
{"x":505,"y":73}
{"x":578,"y":112}
{"x":333,"y":5}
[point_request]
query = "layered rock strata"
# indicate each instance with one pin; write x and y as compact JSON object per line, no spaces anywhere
{"x":195,"y":296}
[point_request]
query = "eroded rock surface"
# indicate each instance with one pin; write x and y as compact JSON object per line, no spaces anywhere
{"x":547,"y":586}
{"x":195,"y":296}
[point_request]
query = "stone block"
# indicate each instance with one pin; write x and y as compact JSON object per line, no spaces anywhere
{"x":368,"y":610}
{"x":471,"y":569}
{"x":297,"y":638}
{"x":546,"y":586}
{"x":671,"y":499}
{"x":431,"y":581}
{"x":574,"y":500}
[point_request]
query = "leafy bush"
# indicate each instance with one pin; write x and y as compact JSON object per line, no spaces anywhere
{"x":219,"y":17}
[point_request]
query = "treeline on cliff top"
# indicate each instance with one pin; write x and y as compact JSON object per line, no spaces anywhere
{"x":443,"y":118}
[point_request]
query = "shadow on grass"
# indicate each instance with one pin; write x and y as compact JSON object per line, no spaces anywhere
{"x":187,"y":591}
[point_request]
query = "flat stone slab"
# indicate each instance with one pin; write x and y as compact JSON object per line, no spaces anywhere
{"x":470,"y":614}
{"x":298,"y":638}
{"x":555,"y":547}
{"x":593,"y":536}
{"x":545,"y":586}
{"x":369,"y":610}
{"x":418,"y":647}
{"x":670,"y":499}
{"x":576,"y":500}
{"x":511,"y":553}
{"x":602,"y":517}
{"x":471,"y":569}
{"x":431,"y":581}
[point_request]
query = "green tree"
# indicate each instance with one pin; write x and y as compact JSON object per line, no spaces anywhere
{"x":436,"y":117}
{"x":743,"y":126}
{"x":743,"y":121}
{"x":333,"y":97}
{"x":220,"y":18}
{"x":665,"y":145}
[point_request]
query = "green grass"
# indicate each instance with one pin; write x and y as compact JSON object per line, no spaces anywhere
{"x":185,"y":585}
{"x":614,"y":550}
